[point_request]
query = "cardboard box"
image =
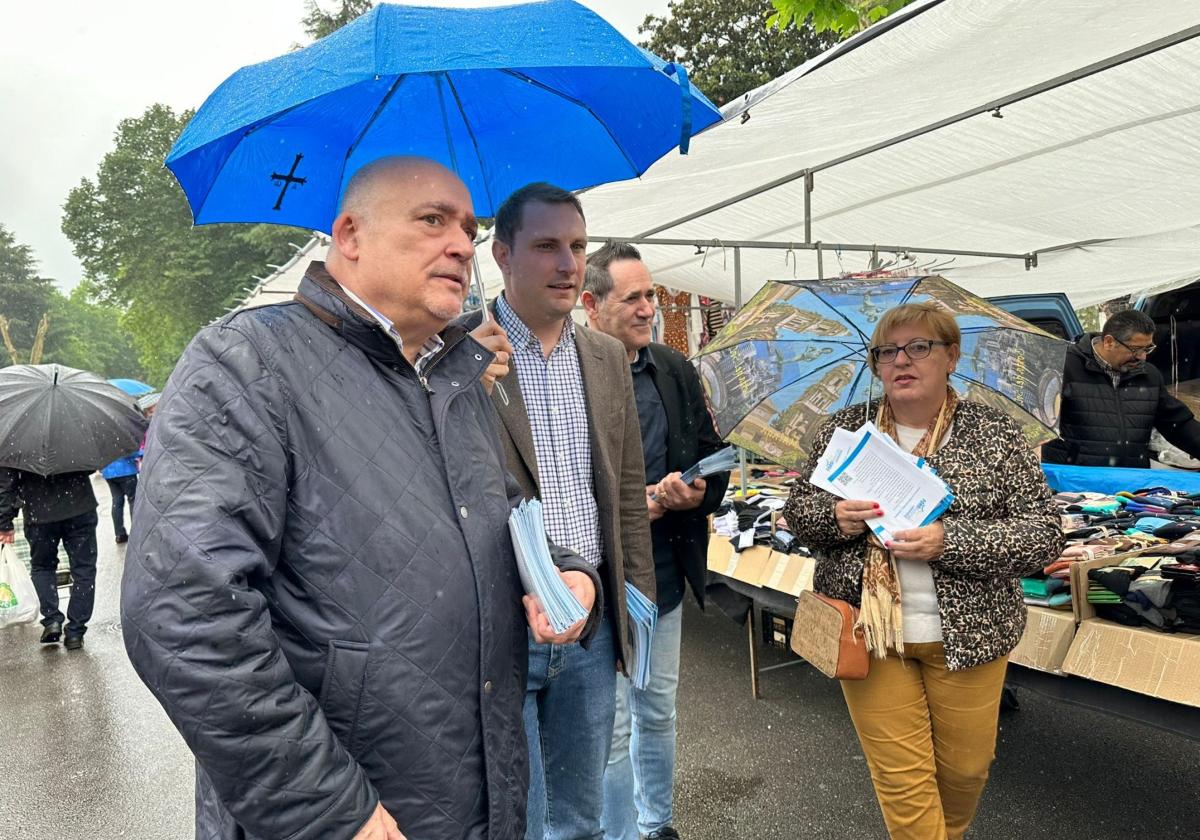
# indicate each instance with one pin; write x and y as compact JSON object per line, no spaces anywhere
{"x":790,"y":573}
{"x":1048,"y":636}
{"x":746,"y":565}
{"x":1079,"y":581}
{"x":1162,"y":665}
{"x":760,"y":566}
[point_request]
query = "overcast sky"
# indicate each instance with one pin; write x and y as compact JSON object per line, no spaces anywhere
{"x":70,"y":70}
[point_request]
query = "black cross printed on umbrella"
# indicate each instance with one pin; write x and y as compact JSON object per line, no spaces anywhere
{"x":287,"y":180}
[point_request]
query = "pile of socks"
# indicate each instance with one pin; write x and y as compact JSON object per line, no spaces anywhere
{"x":747,"y":523}
{"x":1161,"y":592}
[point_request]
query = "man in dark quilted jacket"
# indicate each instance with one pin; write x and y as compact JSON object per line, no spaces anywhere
{"x":1112,"y":400}
{"x":320,"y":588}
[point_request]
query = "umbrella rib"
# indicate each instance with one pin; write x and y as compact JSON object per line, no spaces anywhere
{"x":367,"y":125}
{"x":865,"y":340}
{"x":487,"y":187}
{"x":865,"y":368}
{"x":616,"y":142}
{"x":791,"y":382}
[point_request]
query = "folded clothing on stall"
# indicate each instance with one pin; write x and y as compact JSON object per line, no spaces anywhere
{"x":747,"y":523}
{"x":1046,"y":592}
{"x":1150,"y":591}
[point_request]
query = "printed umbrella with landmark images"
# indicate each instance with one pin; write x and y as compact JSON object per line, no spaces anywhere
{"x":503,"y":96}
{"x":56,"y":419}
{"x":797,"y":352}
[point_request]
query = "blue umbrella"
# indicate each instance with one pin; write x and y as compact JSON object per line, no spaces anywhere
{"x":503,"y":96}
{"x":133,"y":387}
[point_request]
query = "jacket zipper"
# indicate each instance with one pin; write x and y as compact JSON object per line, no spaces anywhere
{"x":1120,"y":417}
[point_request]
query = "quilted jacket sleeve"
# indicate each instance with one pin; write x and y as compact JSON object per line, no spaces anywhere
{"x":209,"y":524}
{"x":1027,"y":538}
{"x":809,"y":509}
{"x":1175,"y":421}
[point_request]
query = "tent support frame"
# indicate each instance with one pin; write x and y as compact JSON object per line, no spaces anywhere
{"x":993,"y":107}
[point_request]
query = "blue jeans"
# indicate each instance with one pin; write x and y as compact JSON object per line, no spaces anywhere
{"x":569,"y":722}
{"x":641,"y":765}
{"x":121,"y":489}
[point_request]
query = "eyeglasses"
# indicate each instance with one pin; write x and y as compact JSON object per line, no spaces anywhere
{"x":1137,"y":351}
{"x":917,"y":349}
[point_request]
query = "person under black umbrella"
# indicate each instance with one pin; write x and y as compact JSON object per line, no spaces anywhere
{"x":58,"y":509}
{"x":58,"y":425}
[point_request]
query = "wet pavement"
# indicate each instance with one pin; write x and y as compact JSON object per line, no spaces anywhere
{"x":87,"y":754}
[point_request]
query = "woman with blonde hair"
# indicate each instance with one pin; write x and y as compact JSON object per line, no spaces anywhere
{"x":941,"y":605}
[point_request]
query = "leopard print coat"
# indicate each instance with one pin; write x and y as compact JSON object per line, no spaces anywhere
{"x":1001,"y":526}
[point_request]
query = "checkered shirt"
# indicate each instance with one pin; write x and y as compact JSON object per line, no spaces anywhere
{"x":557,"y":408}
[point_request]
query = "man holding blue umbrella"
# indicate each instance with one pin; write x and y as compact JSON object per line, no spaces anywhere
{"x":320,"y":588}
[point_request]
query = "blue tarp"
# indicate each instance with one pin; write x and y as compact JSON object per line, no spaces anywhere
{"x":1068,"y":479}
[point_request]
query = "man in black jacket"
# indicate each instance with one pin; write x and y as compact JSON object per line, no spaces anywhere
{"x":58,"y":508}
{"x":1112,"y":400}
{"x":320,"y":587}
{"x":677,"y":431}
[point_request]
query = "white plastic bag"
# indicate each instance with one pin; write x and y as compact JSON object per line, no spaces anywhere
{"x":18,"y":598}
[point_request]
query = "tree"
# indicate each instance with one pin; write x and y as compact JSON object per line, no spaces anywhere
{"x":318,"y":23}
{"x":132,"y":231}
{"x":24,"y":295}
{"x":726,"y":46}
{"x":88,"y":336}
{"x":843,"y":17}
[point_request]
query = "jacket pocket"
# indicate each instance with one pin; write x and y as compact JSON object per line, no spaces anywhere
{"x":342,"y":688}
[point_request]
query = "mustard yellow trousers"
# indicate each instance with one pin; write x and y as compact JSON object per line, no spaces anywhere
{"x":929,"y":737}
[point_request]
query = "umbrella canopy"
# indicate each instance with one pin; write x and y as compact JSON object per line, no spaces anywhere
{"x":797,"y":352}
{"x":133,"y":387}
{"x":56,"y":419}
{"x":503,"y":96}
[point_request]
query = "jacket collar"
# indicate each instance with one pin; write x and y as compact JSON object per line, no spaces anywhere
{"x":324,"y":297}
{"x":1093,"y":361}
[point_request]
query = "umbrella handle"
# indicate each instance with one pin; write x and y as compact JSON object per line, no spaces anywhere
{"x":487,"y":316}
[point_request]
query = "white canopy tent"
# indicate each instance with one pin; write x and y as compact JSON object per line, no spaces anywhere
{"x":1015,"y":127}
{"x":1016,"y":145}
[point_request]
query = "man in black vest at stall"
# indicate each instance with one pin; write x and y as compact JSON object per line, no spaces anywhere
{"x":1112,"y":400}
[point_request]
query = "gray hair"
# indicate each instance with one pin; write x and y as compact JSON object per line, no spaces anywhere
{"x":598,"y":279}
{"x":1127,"y":323}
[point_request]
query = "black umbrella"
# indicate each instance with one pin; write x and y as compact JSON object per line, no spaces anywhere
{"x":56,"y":419}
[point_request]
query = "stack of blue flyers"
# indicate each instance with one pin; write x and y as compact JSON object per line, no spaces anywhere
{"x":643,"y":615}
{"x":539,"y":575}
{"x":721,"y":461}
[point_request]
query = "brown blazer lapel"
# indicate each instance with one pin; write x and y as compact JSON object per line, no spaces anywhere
{"x":600,"y":392}
{"x":514,"y":417}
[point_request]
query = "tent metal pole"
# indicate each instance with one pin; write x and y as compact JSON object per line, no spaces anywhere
{"x":820,"y":262}
{"x":994,"y":105}
{"x":737,"y":302}
{"x":807,"y":246}
{"x":808,"y":188}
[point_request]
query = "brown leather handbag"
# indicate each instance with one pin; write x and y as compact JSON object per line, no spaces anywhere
{"x":824,"y":634}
